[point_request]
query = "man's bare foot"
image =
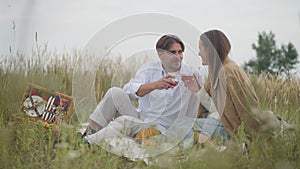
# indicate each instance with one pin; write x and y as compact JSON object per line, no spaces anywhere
{"x":95,"y":126}
{"x":92,"y":128}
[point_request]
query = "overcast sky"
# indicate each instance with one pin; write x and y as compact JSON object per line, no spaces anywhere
{"x":69,"y":24}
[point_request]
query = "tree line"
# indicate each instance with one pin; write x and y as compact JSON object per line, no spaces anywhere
{"x":270,"y":58}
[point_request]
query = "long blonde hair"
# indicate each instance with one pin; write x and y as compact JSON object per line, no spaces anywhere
{"x":218,"y":47}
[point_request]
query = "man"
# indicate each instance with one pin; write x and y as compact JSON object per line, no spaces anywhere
{"x":162,"y":97}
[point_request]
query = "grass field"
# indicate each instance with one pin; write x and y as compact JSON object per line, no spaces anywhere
{"x":24,"y":144}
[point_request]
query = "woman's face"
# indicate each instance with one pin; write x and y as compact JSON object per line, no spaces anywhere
{"x":203,"y":53}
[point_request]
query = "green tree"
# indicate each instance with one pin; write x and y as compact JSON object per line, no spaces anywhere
{"x":269,"y":58}
{"x":287,"y":60}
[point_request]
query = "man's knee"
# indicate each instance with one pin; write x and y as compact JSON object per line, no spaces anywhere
{"x":115,"y":91}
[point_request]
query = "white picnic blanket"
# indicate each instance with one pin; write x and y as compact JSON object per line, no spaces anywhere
{"x":117,"y":138}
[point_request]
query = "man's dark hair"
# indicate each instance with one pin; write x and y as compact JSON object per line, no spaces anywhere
{"x":165,"y":42}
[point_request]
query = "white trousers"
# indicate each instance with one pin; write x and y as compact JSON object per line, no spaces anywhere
{"x":122,"y":126}
{"x":115,"y":103}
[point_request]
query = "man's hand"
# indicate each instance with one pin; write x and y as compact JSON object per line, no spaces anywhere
{"x":163,"y":83}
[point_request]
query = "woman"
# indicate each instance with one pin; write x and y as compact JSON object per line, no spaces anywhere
{"x":231,"y":89}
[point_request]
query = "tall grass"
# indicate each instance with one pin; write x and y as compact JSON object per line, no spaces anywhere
{"x":29,"y":145}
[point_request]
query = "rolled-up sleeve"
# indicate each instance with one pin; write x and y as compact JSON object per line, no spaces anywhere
{"x":134,"y":84}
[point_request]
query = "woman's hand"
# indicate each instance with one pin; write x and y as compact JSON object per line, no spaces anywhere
{"x":202,"y":138}
{"x":205,"y":140}
{"x":191,"y":83}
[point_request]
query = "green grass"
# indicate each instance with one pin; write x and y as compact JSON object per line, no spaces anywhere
{"x":29,"y":145}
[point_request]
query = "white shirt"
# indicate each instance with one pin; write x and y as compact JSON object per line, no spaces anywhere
{"x":162,"y":107}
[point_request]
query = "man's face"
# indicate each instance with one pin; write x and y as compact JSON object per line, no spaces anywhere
{"x":172,"y":57}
